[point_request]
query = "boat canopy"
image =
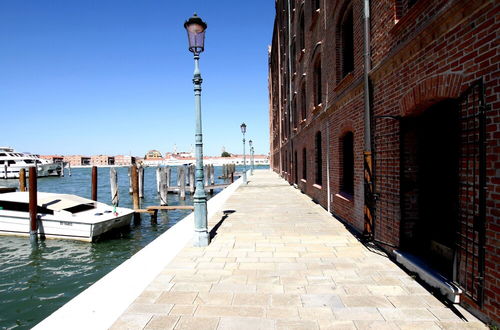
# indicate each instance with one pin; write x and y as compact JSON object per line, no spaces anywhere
{"x":51,"y":201}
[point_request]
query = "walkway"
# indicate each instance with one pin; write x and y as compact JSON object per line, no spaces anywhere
{"x":279,"y":261}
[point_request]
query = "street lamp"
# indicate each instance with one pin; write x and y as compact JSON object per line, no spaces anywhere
{"x":250,"y":142}
{"x":195,"y":28}
{"x":243,"y":127}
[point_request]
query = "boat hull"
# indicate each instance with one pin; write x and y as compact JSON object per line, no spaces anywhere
{"x":18,"y":225}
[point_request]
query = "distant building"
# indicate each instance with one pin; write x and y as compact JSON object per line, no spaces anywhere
{"x":77,"y":160}
{"x":101,"y":160}
{"x":153,"y":154}
{"x":124,"y":160}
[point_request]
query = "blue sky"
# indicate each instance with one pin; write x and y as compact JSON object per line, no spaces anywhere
{"x":115,"y":76}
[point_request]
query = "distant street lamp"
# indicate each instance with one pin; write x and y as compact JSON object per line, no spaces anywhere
{"x":251,"y":156}
{"x":195,"y":28}
{"x":244,"y":130}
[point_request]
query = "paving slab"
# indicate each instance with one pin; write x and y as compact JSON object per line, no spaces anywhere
{"x":280,"y":261}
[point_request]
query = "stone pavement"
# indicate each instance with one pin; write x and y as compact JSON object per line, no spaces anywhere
{"x":280,"y":261}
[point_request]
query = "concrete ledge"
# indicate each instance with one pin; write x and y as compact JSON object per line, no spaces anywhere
{"x":429,"y":276}
{"x":103,"y":302}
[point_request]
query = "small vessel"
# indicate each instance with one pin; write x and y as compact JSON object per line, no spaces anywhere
{"x":60,"y":216}
{"x":11,"y":162}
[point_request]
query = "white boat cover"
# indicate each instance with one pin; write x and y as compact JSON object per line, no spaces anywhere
{"x":51,"y":201}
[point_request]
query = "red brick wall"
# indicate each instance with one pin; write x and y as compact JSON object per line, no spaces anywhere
{"x":432,"y":53}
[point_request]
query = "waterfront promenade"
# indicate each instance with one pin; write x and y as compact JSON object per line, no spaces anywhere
{"x":280,"y":261}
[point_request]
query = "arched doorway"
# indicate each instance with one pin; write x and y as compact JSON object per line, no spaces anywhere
{"x":430,"y":144}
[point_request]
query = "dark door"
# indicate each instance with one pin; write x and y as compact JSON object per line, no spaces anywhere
{"x":429,"y":185}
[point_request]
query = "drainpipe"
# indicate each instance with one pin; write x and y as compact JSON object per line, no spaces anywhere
{"x":290,"y":116}
{"x":367,"y":155}
{"x":328,"y":192}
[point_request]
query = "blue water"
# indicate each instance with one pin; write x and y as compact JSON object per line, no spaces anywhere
{"x":37,"y":280}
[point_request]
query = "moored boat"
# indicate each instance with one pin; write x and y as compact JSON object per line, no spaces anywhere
{"x":60,"y":216}
{"x":11,"y":162}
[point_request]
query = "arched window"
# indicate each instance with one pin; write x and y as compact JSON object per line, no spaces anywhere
{"x":302,"y":43}
{"x":304,"y":164}
{"x":402,"y":7}
{"x":318,"y":159}
{"x":347,"y":159}
{"x":346,"y":37}
{"x":318,"y":90}
{"x":316,"y":5}
{"x":303,"y":101}
{"x":294,"y":112}
{"x":295,"y":167}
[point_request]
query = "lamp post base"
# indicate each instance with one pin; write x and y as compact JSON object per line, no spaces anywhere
{"x":201,"y":239}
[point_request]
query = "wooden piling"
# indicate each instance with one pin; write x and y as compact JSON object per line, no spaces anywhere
{"x":69,"y":169}
{"x":22,"y":179}
{"x":212,"y":176}
{"x":164,"y":180}
{"x":94,"y":183}
{"x":130,"y":180}
{"x":62,"y":170}
{"x":158,"y":174}
{"x":113,"y":178}
{"x":135,"y":186}
{"x":135,"y":192}
{"x":140,"y":173}
{"x":5,"y":171}
{"x":192,"y":183}
{"x":33,"y":208}
{"x":182,"y":184}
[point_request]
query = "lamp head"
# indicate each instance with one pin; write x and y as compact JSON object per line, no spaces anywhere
{"x":243,"y":127}
{"x":195,"y":28}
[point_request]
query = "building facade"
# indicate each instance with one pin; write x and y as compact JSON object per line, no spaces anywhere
{"x":388,"y":116}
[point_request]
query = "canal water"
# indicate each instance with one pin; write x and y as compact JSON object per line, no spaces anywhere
{"x":37,"y":280}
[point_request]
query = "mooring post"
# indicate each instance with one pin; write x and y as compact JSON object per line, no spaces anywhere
{"x":192,"y":184}
{"x":205,"y":169}
{"x":94,"y":183}
{"x":5,"y":171}
{"x":140,"y":170}
{"x":168,"y":175}
{"x":179,"y":176}
{"x":233,"y":167}
{"x":135,"y":192}
{"x":33,"y":204}
{"x":69,"y":169}
{"x":164,"y":177}
{"x":130,"y":180}
{"x":158,"y":174}
{"x":182,"y":185}
{"x":62,"y":170}
{"x":212,"y":177}
{"x":113,"y":179}
{"x":22,"y":179}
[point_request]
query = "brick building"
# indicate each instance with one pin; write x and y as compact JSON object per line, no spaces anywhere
{"x":77,"y":160}
{"x":124,"y":160}
{"x":391,"y":122}
{"x":100,"y":160}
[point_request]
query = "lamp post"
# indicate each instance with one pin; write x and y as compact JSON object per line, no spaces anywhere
{"x":243,"y":127}
{"x":195,"y":28}
{"x":250,"y":142}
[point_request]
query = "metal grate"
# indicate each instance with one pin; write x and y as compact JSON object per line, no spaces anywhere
{"x":469,"y":272}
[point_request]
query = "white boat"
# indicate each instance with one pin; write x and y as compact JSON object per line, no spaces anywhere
{"x":11,"y":162}
{"x":60,"y":216}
